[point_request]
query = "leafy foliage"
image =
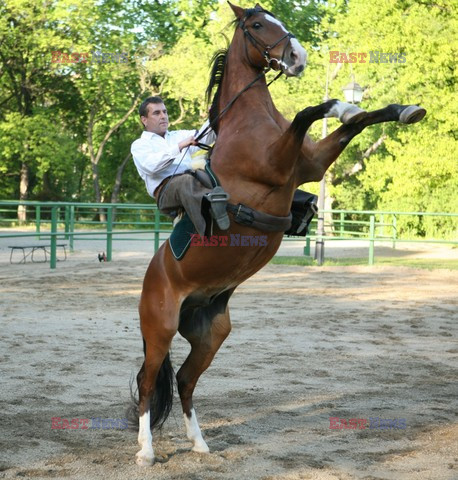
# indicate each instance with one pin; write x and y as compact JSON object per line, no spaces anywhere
{"x":66,"y":128}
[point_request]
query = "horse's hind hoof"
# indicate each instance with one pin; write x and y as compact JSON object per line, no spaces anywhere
{"x":352,"y":114}
{"x":412,"y":114}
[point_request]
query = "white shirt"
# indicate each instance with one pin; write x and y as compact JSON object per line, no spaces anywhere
{"x":157,"y":157}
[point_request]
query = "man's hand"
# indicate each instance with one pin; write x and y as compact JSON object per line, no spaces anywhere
{"x":187,"y":142}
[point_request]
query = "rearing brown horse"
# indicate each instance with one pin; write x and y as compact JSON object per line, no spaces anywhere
{"x":260,"y":159}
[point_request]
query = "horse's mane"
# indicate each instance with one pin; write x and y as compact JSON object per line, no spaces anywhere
{"x":216,"y":78}
{"x":217,"y":71}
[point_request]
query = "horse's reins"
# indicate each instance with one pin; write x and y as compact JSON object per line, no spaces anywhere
{"x":266,"y":55}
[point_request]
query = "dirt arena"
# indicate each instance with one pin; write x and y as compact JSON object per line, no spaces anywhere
{"x":307,"y":344}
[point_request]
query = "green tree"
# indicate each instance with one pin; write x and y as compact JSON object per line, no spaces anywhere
{"x":391,"y":166}
{"x":32,"y":101}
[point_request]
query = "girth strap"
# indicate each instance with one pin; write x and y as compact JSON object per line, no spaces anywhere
{"x":262,"y":221}
{"x":243,"y":214}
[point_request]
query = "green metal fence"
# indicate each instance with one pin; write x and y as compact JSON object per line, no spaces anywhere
{"x":69,"y":221}
{"x":373,"y":226}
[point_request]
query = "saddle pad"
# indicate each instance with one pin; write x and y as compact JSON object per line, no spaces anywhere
{"x":181,"y":237}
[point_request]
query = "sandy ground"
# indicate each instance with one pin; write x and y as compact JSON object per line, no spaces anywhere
{"x":307,"y":344}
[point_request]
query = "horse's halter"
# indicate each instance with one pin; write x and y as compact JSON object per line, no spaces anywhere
{"x":262,"y":48}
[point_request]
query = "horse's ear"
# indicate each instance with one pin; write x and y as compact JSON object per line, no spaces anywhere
{"x":258,"y":7}
{"x":238,"y":11}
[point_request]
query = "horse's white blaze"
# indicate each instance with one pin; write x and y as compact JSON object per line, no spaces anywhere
{"x":299,"y":51}
{"x":300,"y":56}
{"x":276,"y":22}
{"x":145,"y":456}
{"x":194,"y":434}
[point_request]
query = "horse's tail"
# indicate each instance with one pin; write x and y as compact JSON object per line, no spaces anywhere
{"x":161,"y":401}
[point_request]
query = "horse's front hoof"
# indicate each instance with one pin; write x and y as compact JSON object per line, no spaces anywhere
{"x":144,"y":459}
{"x":352,"y":114}
{"x":412,"y":114}
{"x":201,"y":447}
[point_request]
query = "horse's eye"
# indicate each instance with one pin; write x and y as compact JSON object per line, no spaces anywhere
{"x":257,"y":25}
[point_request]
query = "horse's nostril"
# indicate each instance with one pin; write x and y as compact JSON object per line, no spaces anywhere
{"x":293,"y":55}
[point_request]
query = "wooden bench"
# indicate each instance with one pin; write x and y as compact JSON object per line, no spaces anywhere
{"x":46,"y":249}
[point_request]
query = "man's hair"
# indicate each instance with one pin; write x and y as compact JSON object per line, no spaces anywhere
{"x":143,"y":109}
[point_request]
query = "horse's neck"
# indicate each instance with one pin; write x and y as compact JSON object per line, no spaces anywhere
{"x":238,"y":75}
{"x":239,"y":157}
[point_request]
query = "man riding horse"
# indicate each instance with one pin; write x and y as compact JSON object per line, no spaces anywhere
{"x":163,"y":160}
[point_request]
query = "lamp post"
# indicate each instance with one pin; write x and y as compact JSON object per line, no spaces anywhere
{"x":319,"y":243}
{"x":353,"y":94}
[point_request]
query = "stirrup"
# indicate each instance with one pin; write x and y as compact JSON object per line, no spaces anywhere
{"x":218,"y":200}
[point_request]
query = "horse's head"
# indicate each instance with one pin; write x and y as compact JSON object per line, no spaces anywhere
{"x":268,"y":43}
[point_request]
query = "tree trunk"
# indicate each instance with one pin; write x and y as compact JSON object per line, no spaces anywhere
{"x":117,"y":184}
{"x":23,"y":192}
{"x":97,"y":192}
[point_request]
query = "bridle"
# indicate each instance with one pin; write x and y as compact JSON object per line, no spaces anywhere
{"x":261,"y":47}
{"x":265,"y":52}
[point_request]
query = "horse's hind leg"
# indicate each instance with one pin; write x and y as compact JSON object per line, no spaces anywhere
{"x":205,"y":331}
{"x":159,"y":323}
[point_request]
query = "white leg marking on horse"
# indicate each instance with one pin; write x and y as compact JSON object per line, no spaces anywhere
{"x":345,"y":112}
{"x":194,"y":434}
{"x":337,"y":109}
{"x":145,"y":456}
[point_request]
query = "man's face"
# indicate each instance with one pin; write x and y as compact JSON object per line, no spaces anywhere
{"x":157,"y":120}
